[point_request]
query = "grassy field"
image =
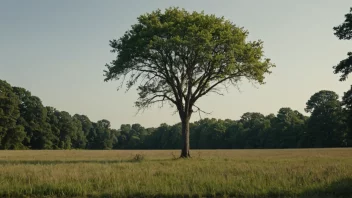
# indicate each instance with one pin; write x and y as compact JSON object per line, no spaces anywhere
{"x":210,"y":173}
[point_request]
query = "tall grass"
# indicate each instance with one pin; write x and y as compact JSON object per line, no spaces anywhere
{"x":210,"y":173}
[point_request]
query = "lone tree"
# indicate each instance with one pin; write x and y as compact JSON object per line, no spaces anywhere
{"x":177,"y":57}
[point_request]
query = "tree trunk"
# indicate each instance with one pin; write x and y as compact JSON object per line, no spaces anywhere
{"x":185,"y":138}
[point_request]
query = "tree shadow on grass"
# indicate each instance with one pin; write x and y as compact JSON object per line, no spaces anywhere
{"x":338,"y":189}
{"x":341,"y":189}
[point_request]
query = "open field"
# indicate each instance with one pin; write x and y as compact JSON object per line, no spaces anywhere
{"x":210,"y":173}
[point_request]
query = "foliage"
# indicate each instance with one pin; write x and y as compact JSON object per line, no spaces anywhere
{"x":325,"y":126}
{"x":33,"y":116}
{"x":172,"y":49}
{"x":344,"y":31}
{"x":344,"y":67}
{"x":11,"y":134}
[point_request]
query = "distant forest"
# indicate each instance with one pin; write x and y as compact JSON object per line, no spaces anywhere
{"x":25,"y":123}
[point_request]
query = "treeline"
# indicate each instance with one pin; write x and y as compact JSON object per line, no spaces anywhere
{"x":25,"y":123}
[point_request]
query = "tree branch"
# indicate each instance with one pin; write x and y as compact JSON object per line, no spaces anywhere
{"x":201,"y":111}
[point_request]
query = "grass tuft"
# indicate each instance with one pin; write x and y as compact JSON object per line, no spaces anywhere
{"x":138,"y":158}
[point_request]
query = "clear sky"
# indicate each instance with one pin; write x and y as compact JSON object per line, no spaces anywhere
{"x":58,"y":49}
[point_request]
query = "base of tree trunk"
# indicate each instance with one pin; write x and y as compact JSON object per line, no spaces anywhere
{"x":185,"y":155}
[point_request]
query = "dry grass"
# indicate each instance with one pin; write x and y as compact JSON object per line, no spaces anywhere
{"x":210,"y":173}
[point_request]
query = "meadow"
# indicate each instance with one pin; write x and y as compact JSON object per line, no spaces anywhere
{"x":156,"y":173}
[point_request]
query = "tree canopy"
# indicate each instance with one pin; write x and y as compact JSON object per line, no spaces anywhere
{"x":182,"y":56}
{"x":325,"y":126}
{"x":11,"y":134}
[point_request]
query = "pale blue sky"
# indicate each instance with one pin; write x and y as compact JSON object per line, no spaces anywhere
{"x":58,"y":49}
